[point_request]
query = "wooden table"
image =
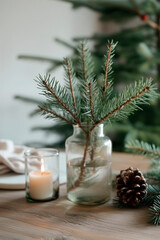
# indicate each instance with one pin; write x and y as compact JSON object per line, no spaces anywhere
{"x":62,"y":220}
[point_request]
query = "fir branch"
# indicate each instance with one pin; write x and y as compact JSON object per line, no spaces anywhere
{"x":27,"y":99}
{"x":66,"y":44}
{"x":154,"y":212}
{"x":62,"y":103}
{"x":131,"y":99}
{"x":56,"y":115}
{"x":70,"y":82}
{"x":108,"y":70}
{"x":84,"y":62}
{"x":47,"y":84}
{"x":77,"y":183}
{"x":140,"y":147}
{"x":107,"y":66}
{"x":152,"y":192}
{"x":91,"y":102}
{"x":154,"y":174}
{"x":86,"y":75}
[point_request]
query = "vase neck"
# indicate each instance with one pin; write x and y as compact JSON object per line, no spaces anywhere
{"x":98,"y":130}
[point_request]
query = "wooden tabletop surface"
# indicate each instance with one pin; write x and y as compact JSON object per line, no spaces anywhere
{"x":63,"y":220}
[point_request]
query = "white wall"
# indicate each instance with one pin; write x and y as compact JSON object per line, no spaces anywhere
{"x":29,"y":27}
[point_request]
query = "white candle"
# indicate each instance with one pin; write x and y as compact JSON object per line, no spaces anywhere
{"x":41,"y":184}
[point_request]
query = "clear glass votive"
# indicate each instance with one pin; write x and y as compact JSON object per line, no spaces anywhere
{"x":42,"y":174}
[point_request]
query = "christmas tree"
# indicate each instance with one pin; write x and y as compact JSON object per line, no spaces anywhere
{"x":137,"y":55}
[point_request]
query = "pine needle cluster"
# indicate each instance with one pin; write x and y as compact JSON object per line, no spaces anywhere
{"x":82,"y":100}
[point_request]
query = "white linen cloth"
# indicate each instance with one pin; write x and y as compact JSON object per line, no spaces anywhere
{"x":12,"y":158}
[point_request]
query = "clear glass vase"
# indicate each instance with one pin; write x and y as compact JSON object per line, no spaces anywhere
{"x":88,"y":166}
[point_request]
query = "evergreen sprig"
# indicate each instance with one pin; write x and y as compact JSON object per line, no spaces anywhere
{"x":82,"y":100}
{"x":144,"y":148}
{"x":154,"y":173}
{"x":152,"y":200}
{"x":154,"y":212}
{"x":152,"y":192}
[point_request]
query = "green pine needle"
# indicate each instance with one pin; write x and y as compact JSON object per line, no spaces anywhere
{"x":144,"y":148}
{"x":82,"y":100}
{"x":154,"y":212}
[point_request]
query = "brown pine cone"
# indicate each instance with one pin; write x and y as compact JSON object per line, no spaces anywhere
{"x":131,"y":186}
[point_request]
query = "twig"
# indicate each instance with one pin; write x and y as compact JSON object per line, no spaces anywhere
{"x":77,"y":183}
{"x":119,"y":108}
{"x":107,"y":65}
{"x":83,"y":62}
{"x":91,"y":102}
{"x":57,"y":115}
{"x":93,"y":147}
{"x":70,"y":82}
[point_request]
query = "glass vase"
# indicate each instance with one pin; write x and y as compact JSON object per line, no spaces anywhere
{"x":42,"y":174}
{"x":88,"y":166}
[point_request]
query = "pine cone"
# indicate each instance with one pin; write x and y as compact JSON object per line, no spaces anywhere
{"x":131,"y":186}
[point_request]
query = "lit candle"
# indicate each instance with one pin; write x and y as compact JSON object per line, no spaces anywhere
{"x":41,"y":184}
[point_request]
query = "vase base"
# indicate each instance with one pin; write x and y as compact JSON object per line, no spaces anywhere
{"x":91,"y":202}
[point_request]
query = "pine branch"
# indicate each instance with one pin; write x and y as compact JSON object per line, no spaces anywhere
{"x":140,"y":147}
{"x":91,"y":102}
{"x":86,"y":76}
{"x":124,"y":104}
{"x":152,"y":192}
{"x":84,"y":62}
{"x":108,"y":70}
{"x":59,"y":100}
{"x":154,"y":173}
{"x":50,"y":86}
{"x":28,"y":99}
{"x":154,"y":212}
{"x":70,"y":82}
{"x":107,"y":66}
{"x":82,"y":169}
{"x":56,"y":115}
{"x":66,"y":44}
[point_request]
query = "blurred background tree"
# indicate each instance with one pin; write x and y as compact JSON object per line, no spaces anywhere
{"x":137,"y":56}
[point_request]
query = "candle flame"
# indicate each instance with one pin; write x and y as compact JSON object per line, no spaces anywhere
{"x":42,"y":165}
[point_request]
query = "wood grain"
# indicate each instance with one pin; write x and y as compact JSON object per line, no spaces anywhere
{"x":62,"y":220}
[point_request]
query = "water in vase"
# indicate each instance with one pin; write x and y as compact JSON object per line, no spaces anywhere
{"x":89,"y":186}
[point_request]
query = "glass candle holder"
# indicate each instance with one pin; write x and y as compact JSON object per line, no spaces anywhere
{"x":42,"y":174}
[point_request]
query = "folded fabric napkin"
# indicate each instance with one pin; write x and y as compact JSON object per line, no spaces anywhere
{"x":12,"y":158}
